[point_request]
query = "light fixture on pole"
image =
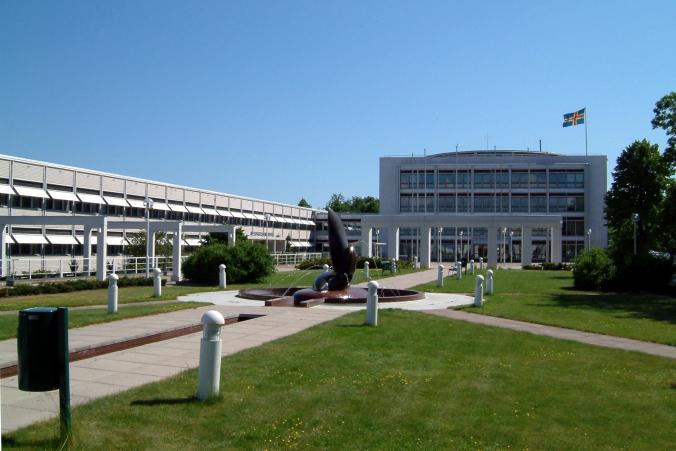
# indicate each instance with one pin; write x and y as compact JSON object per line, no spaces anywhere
{"x":504,"y":244}
{"x":440,"y":231}
{"x":148,"y":204}
{"x":635,"y":218}
{"x":460,"y":233}
{"x":511,"y":246}
{"x":377,"y":241}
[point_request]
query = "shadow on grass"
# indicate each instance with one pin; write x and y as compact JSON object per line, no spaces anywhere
{"x":637,"y":305}
{"x":44,"y":443}
{"x":164,"y":401}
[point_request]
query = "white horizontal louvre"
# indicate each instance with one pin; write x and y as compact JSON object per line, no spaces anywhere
{"x":224,"y":213}
{"x":91,"y":198}
{"x":6,"y":189}
{"x":210,"y":211}
{"x":61,"y":239}
{"x":116,"y":201}
{"x":29,"y":239}
{"x":160,"y":206}
{"x":136,"y":203}
{"x":63,"y":195}
{"x":178,"y":208}
{"x":195,"y":210}
{"x":31,"y":192}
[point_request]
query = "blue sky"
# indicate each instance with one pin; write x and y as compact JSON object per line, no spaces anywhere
{"x":287,"y":99}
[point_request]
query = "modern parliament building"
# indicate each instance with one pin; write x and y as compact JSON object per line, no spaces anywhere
{"x":502,"y":206}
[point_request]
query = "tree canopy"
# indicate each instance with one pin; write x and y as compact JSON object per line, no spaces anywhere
{"x":304,"y":203}
{"x":665,"y":118}
{"x":137,"y":244}
{"x":356,"y":204}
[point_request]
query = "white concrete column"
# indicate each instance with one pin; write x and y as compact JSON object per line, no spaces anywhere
{"x":526,"y":246}
{"x":426,"y":246}
{"x":87,"y":249}
{"x":492,"y":247}
{"x":4,"y":264}
{"x":101,"y":250}
{"x":393,"y":242}
{"x":366,"y":237}
{"x":150,"y":249}
{"x":556,"y":244}
{"x":176,"y":275}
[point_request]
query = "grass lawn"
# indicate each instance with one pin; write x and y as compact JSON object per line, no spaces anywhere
{"x":80,"y":318}
{"x":548,"y":297}
{"x":416,"y":381}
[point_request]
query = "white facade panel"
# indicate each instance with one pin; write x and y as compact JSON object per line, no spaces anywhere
{"x":113,"y":184}
{"x":88,"y":181}
{"x":61,"y":177}
{"x":27,"y":171}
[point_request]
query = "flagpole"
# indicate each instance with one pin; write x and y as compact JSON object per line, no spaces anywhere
{"x":586,"y":117}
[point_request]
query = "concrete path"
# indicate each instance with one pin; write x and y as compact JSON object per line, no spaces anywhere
{"x":405,"y":281}
{"x":118,"y":371}
{"x":607,"y":341}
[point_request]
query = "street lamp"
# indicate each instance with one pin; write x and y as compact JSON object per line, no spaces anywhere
{"x":504,"y":245}
{"x":440,"y":231}
{"x":148,"y":204}
{"x":377,"y":241}
{"x":461,"y":232}
{"x":589,"y":237}
{"x":511,"y":246}
{"x":635,"y":219}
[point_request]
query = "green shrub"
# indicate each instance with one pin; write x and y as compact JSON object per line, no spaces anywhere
{"x":246,"y":262}
{"x":593,"y":270}
{"x":549,"y":266}
{"x":644,"y":272}
{"x":69,"y":286}
{"x":314,"y":262}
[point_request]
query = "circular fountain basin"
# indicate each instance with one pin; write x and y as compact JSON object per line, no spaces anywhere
{"x":307,"y":297}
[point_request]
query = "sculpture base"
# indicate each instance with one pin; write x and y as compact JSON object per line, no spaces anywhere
{"x":307,"y":297}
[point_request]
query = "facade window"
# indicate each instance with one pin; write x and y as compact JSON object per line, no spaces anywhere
{"x":484,"y":204}
{"x":502,"y":203}
{"x":559,"y":204}
{"x":463,"y":180}
{"x":4,"y":200}
{"x":416,"y":179}
{"x":57,"y":205}
{"x":406,"y":204}
{"x":566,"y":180}
{"x":446,"y":203}
{"x":573,"y":227}
{"x":502,"y":179}
{"x":406,"y":180}
{"x":519,"y":204}
{"x":446,"y":179}
{"x":538,"y":204}
{"x":484,"y":180}
{"x":519,"y":179}
{"x":571,"y":249}
{"x":463,"y":203}
{"x":538,"y":179}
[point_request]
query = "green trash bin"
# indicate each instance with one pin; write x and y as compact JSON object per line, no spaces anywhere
{"x":38,"y":349}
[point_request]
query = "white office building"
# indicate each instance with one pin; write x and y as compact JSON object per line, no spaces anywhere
{"x":502,"y":206}
{"x":49,"y":210}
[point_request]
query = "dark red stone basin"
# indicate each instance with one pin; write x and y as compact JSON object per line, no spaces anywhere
{"x":307,"y":297}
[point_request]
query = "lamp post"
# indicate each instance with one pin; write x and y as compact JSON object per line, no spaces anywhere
{"x":461,"y":232}
{"x":635,"y":218}
{"x":504,"y":245}
{"x":267,"y":218}
{"x":377,"y":241}
{"x":439,"y":232}
{"x":148,"y":204}
{"x":589,"y":237}
{"x":511,"y":246}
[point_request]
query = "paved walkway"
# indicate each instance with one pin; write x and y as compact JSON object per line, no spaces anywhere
{"x":607,"y":341}
{"x":406,"y":280}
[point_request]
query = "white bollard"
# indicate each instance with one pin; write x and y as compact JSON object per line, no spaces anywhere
{"x":479,"y":291}
{"x":210,"y":355}
{"x":366,"y":269}
{"x":372,"y":304}
{"x":489,"y":282}
{"x":458,"y":270}
{"x":416,"y":263}
{"x":112,"y":293}
{"x":157,"y":282}
{"x":394,"y":266}
{"x":471,"y":267}
{"x":222,"y":282}
{"x":440,"y":276}
{"x":481,"y":263}
{"x":325,"y":268}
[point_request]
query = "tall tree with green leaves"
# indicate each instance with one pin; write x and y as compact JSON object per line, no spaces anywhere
{"x":137,"y":244}
{"x":665,"y":118}
{"x":640,"y":180}
{"x":304,"y":203}
{"x":356,"y":204}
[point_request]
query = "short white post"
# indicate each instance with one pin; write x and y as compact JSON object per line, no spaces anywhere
{"x":157,"y":282}
{"x":366,"y":269}
{"x":325,"y":268}
{"x":372,"y":304}
{"x":222,"y":282}
{"x":210,"y":355}
{"x":440,"y":276}
{"x":458,"y":270}
{"x":481,"y":263}
{"x":61,"y":268}
{"x":489,"y":282}
{"x":112,"y":293}
{"x":471,"y":266}
{"x":479,"y":291}
{"x":416,"y":263}
{"x":394,"y":266}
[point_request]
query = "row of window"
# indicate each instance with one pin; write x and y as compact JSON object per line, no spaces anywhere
{"x":571,"y":226}
{"x":497,"y":179}
{"x":490,"y":203}
{"x":55,"y":205}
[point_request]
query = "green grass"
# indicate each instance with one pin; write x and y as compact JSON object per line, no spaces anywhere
{"x":80,"y":318}
{"x":416,"y":381}
{"x":548,"y":297}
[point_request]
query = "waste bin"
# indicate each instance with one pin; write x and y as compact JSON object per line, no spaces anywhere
{"x":38,"y":349}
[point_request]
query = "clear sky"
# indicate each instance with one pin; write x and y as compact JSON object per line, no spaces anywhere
{"x":287,"y":99}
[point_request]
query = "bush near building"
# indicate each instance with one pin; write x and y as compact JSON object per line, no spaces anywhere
{"x":72,"y":285}
{"x":593,"y":270}
{"x":246,"y":262}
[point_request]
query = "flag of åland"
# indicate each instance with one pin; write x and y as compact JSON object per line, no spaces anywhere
{"x":575,"y":118}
